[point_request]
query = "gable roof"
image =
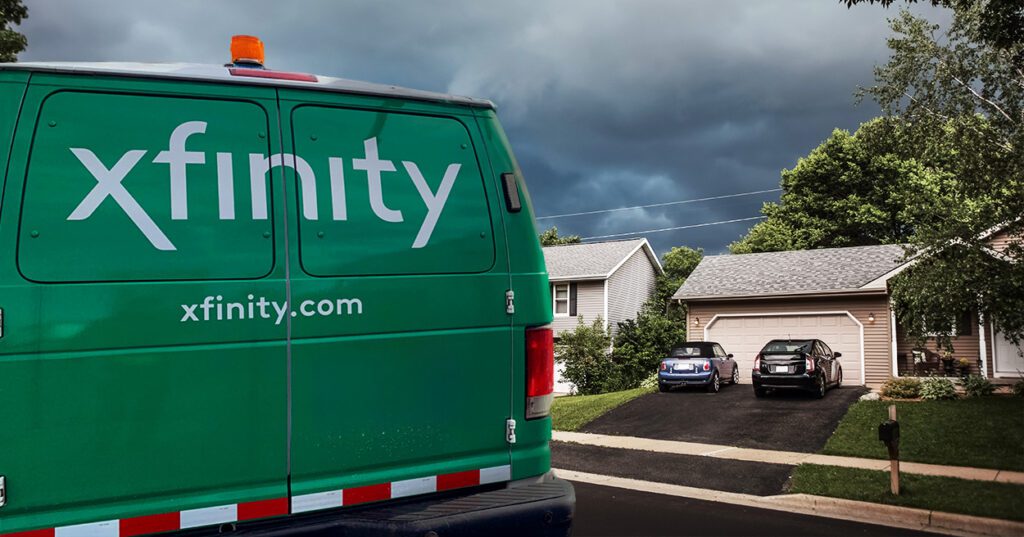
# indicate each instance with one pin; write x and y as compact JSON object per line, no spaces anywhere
{"x":594,"y":260}
{"x":797,"y":272}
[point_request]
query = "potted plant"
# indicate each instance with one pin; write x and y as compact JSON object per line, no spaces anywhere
{"x":963,"y":365}
{"x":948,"y":366}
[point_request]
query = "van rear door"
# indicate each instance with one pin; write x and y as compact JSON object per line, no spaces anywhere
{"x":400,"y":342}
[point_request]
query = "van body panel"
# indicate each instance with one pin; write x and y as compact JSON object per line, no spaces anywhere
{"x":117,"y":403}
{"x":417,"y":384}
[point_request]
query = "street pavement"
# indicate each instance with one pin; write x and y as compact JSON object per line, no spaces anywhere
{"x":609,"y":511}
{"x":788,"y":421}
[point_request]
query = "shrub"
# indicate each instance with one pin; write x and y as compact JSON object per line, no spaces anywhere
{"x":641,"y":343}
{"x":584,"y":351}
{"x":650,"y":382}
{"x":902,"y":388}
{"x":935,"y":388}
{"x":1018,"y":388}
{"x":977,"y":386}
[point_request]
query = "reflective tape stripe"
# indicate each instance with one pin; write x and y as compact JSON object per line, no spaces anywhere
{"x":223,"y":514}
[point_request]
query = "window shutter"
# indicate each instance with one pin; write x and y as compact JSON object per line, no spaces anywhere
{"x":572,"y":299}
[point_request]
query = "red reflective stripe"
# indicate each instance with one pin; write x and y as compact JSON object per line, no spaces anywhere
{"x":142,"y":525}
{"x":372,"y":493}
{"x":262,"y":509}
{"x":458,"y":480}
{"x":48,"y":532}
{"x":267,"y":73}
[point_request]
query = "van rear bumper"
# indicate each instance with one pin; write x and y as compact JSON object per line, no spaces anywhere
{"x":542,"y":506}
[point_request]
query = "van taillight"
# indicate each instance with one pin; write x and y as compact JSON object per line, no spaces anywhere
{"x":540,"y":371}
{"x":757,"y":362}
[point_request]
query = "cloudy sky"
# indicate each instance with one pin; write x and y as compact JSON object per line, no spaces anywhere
{"x":607,"y":103}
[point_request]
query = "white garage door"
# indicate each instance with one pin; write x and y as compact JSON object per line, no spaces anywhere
{"x":744,"y":337}
{"x":1008,"y":359}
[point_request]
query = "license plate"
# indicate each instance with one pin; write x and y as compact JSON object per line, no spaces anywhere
{"x":684,"y":368}
{"x":780,"y":369}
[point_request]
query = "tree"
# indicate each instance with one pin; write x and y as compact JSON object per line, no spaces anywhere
{"x":11,"y":41}
{"x":960,"y":95}
{"x":852,"y":190}
{"x":584,"y":351}
{"x":641,"y":343}
{"x":550,"y":238}
{"x":678,"y":263}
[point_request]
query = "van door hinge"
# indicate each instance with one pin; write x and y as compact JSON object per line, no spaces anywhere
{"x":510,"y":302}
{"x":3,"y":490}
{"x":510,"y":431}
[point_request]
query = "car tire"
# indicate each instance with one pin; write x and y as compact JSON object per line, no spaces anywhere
{"x":735,"y":376}
{"x":715,"y":383}
{"x":663,"y":388}
{"x":760,"y":392}
{"x":839,"y":379}
{"x":822,"y":387}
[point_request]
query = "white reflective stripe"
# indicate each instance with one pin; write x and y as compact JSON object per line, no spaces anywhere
{"x":495,"y":474}
{"x":107,"y":528}
{"x":209,"y":515}
{"x":318,"y":500}
{"x":412,"y":487}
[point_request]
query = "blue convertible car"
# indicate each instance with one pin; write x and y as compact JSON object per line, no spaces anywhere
{"x":697,"y":363}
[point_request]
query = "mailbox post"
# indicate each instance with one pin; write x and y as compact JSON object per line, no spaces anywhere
{"x":889,"y":433}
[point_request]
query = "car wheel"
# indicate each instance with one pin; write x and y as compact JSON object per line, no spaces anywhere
{"x":663,"y":388}
{"x":735,"y":375}
{"x":760,"y":392}
{"x":822,"y":387}
{"x":715,"y":384}
{"x":839,"y":379}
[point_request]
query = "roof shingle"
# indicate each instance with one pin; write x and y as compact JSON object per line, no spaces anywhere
{"x":587,"y":260}
{"x":791,"y":272}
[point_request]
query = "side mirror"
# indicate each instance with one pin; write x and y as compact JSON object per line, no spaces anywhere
{"x":837,"y":355}
{"x":728,"y":355}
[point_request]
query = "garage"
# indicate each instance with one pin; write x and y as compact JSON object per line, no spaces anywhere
{"x":745,"y":335}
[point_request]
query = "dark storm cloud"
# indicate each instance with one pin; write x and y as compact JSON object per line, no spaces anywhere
{"x":607,"y":103}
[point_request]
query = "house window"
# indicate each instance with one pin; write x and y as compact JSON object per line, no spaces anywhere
{"x":560,"y":294}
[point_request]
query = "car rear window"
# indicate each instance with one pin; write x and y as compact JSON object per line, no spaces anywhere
{"x":788,"y":346}
{"x":691,"y":351}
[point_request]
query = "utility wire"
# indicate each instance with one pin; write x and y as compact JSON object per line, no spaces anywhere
{"x":660,"y":204}
{"x":673,"y":228}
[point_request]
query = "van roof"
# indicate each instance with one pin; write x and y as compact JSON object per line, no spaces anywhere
{"x":220,"y":73}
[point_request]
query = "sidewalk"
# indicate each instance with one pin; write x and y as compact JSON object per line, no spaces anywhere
{"x":784,"y":457}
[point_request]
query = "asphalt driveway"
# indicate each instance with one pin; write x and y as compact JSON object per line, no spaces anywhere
{"x":787,"y":421}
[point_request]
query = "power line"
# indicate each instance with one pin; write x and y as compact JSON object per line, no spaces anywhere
{"x":673,"y":228}
{"x":660,"y":204}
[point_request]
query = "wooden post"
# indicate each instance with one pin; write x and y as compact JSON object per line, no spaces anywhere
{"x":894,"y":459}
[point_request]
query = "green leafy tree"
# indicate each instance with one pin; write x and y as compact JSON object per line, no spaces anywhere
{"x":584,"y":351}
{"x":852,"y":190}
{"x":11,"y":41}
{"x":678,"y":263}
{"x":959,"y":93}
{"x":550,"y":238}
{"x":641,"y":343}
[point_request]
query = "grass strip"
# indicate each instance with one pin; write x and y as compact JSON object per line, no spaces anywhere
{"x":570,"y":412}
{"x":947,"y":494}
{"x":983,"y":432}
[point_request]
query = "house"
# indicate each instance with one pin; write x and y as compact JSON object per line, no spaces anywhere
{"x":839,"y":295}
{"x":610,"y":280}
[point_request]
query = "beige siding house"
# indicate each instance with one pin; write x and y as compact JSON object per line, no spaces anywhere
{"x":839,"y":295}
{"x":608,"y":280}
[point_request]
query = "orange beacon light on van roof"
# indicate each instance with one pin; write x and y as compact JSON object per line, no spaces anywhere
{"x":246,"y":49}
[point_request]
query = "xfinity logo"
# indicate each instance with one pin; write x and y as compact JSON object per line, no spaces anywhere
{"x":178,"y":159}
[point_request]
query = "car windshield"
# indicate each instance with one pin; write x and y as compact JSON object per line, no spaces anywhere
{"x":691,"y":351}
{"x":787,"y":346}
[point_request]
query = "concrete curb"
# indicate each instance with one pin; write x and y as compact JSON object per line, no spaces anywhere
{"x":783,"y":457}
{"x":855,"y":511}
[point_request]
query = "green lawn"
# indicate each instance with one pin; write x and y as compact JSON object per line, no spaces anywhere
{"x":978,"y":498}
{"x":985,"y":432}
{"x":571,"y":412}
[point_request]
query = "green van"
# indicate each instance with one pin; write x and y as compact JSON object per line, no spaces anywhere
{"x":241,"y":300}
